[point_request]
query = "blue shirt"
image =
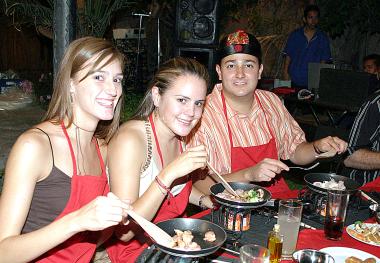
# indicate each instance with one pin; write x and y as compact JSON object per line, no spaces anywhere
{"x":302,"y":52}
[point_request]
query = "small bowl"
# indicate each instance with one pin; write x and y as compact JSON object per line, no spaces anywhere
{"x":312,"y":256}
{"x":375,"y":209}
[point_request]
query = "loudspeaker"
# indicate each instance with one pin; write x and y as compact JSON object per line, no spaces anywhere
{"x":205,"y":56}
{"x":196,"y":22}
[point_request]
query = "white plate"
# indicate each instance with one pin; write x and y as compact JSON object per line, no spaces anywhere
{"x":352,"y":227}
{"x":341,"y":253}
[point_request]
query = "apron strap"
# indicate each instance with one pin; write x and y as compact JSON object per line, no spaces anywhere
{"x":156,"y":140}
{"x":225,"y":114}
{"x":71,"y":149}
{"x":266,"y":119}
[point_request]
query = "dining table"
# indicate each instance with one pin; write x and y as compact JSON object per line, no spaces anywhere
{"x":311,"y":234}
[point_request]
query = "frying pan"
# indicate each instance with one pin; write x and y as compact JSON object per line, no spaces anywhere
{"x":198,"y":228}
{"x":351,"y":185}
{"x":218,"y":188}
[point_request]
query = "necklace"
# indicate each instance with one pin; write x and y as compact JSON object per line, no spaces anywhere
{"x":82,"y":128}
{"x":79,"y":149}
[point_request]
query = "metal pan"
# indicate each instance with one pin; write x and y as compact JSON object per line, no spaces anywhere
{"x":198,"y":228}
{"x":218,"y":188}
{"x":351,"y":185}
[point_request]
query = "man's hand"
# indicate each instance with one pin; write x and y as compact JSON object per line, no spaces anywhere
{"x":265,"y":170}
{"x":329,"y":146}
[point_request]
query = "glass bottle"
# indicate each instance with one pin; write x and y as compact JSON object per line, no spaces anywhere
{"x":275,"y":240}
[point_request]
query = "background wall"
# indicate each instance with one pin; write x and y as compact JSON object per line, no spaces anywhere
{"x":24,"y":50}
{"x":271,"y":21}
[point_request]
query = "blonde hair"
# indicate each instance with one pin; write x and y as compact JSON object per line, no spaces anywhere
{"x":166,"y":75}
{"x":74,"y":60}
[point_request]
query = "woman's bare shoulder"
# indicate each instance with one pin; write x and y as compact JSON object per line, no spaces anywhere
{"x":30,"y":148}
{"x":128,"y":146}
{"x":131,"y":130}
{"x":38,"y":135}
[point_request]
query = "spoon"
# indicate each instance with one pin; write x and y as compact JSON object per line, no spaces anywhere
{"x":304,"y":168}
{"x":159,"y":235}
{"x":223,"y":181}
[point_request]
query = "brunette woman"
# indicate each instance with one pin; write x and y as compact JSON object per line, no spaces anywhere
{"x":55,"y":200}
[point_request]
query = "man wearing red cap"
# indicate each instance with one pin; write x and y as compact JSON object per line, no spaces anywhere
{"x":247,"y":131}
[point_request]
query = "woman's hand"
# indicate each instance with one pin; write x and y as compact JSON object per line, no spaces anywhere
{"x":101,"y":213}
{"x":190,"y":160}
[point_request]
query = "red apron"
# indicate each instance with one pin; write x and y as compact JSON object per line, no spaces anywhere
{"x":126,"y":252}
{"x":244,"y":157}
{"x":85,"y":188}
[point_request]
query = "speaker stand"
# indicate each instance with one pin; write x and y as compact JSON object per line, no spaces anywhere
{"x":138,"y":70}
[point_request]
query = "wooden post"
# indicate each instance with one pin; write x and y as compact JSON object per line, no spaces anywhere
{"x":64,"y":28}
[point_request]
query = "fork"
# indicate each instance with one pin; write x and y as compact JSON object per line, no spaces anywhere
{"x":304,"y":168}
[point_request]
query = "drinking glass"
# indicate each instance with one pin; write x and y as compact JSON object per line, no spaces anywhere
{"x":252,"y":253}
{"x":336,"y":208}
{"x":289,"y":219}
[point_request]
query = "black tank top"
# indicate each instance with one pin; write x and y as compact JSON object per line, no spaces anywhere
{"x":49,"y":198}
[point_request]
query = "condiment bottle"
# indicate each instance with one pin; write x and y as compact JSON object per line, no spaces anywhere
{"x":275,"y":244}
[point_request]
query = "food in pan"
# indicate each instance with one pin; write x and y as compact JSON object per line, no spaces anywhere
{"x":184,"y":240}
{"x":210,"y":236}
{"x":331,"y":185}
{"x":366,"y":233}
{"x":358,"y":260}
{"x":249,"y":196}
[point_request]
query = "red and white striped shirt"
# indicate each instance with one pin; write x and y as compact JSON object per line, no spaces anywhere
{"x":247,"y":130}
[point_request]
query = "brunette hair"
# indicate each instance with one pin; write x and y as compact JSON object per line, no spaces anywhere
{"x":374,"y":57}
{"x":75,"y":59}
{"x":310,"y":8}
{"x":164,"y":79}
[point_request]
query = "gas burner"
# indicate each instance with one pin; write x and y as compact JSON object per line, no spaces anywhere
{"x":233,"y":220}
{"x":314,"y":204}
{"x":154,"y":255}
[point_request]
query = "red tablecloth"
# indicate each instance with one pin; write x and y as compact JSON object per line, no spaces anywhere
{"x":315,"y":239}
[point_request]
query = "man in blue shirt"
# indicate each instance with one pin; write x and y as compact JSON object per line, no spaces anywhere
{"x":306,"y":44}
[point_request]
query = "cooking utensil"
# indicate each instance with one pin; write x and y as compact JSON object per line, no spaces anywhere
{"x":351,"y":185}
{"x":160,"y":236}
{"x":198,"y":228}
{"x":368,"y":197}
{"x":237,"y":253}
{"x":218,"y":188}
{"x":312,"y":256}
{"x":375,"y":208}
{"x":304,"y":168}
{"x":224,"y":182}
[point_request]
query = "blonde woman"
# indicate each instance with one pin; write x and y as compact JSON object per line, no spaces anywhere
{"x":148,"y":162}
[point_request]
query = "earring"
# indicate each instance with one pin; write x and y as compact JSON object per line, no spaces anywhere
{"x":71,"y":97}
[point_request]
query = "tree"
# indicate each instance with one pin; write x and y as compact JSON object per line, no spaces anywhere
{"x":93,"y":16}
{"x":344,"y":14}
